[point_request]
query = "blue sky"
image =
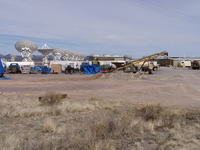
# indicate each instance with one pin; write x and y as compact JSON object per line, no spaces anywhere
{"x":131,"y":27}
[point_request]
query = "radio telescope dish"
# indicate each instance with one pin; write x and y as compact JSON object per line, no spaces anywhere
{"x":71,"y":56}
{"x":57,"y":53}
{"x":26,"y":48}
{"x":66,"y":55}
{"x":45,"y":51}
{"x":45,"y":46}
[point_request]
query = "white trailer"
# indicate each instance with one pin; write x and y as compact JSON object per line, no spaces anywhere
{"x":20,"y":63}
{"x":110,"y":62}
{"x":186,"y":63}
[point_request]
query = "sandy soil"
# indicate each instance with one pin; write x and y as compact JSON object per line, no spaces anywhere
{"x":167,"y":86}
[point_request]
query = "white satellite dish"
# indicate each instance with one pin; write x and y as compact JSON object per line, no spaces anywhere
{"x":26,"y":48}
{"x":45,"y":51}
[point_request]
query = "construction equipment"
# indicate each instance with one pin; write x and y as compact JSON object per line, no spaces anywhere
{"x":152,"y":64}
{"x":143,"y":61}
{"x":195,"y":65}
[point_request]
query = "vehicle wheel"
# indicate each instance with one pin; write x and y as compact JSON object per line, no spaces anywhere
{"x":150,"y":71}
{"x":155,"y":68}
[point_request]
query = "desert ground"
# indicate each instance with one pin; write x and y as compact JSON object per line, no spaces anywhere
{"x":101,"y":112}
{"x":167,"y":86}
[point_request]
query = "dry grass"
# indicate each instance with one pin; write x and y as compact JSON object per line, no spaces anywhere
{"x":96,"y":124}
{"x":150,"y":111}
{"x":49,"y":125}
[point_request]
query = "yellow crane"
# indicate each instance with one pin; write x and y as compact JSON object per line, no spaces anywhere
{"x":142,"y":60}
{"x":135,"y":62}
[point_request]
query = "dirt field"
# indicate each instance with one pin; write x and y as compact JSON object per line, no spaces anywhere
{"x":166,"y":86}
{"x":111,"y":112}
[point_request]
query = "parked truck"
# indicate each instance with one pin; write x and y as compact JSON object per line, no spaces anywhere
{"x":14,"y":68}
{"x":72,"y":67}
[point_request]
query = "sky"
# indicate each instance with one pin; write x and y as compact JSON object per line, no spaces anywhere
{"x":118,"y":27}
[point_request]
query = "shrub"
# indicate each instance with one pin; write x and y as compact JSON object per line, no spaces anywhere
{"x":52,"y":98}
{"x":103,"y":129}
{"x":149,"y":112}
{"x":49,"y":126}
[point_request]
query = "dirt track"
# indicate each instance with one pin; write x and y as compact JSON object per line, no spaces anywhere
{"x":167,"y":86}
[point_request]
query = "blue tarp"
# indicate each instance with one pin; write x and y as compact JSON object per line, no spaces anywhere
{"x":37,"y":68}
{"x":46,"y":70}
{"x":2,"y":71}
{"x":1,"y":67}
{"x":90,"y":69}
{"x":42,"y":69}
{"x":5,"y":78}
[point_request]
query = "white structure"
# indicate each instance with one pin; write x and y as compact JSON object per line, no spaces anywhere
{"x":31,"y":63}
{"x":65,"y":55}
{"x":186,"y":63}
{"x":57,"y":53}
{"x":182,"y":62}
{"x":71,"y":56}
{"x":26,"y":48}
{"x":66,"y":58}
{"x":45,"y":51}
